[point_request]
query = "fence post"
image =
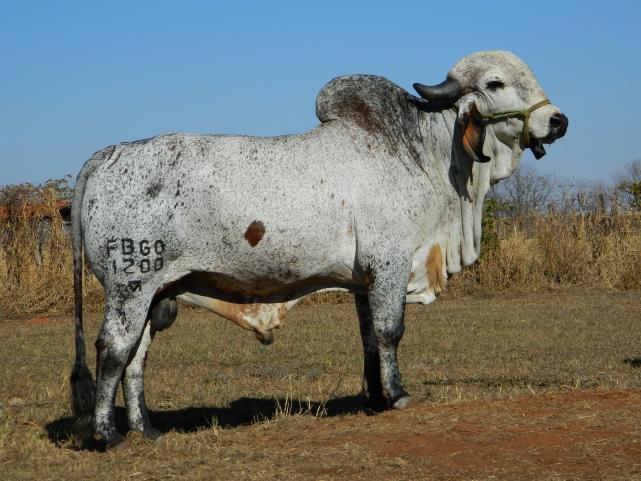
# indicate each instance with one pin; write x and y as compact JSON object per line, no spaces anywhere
{"x":614,"y":208}
{"x":601,"y":204}
{"x":580,"y":200}
{"x":551,"y":212}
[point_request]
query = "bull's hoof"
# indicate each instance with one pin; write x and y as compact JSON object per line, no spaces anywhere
{"x":405,"y":402}
{"x":152,"y":433}
{"x":376,"y":404}
{"x":116,"y":443}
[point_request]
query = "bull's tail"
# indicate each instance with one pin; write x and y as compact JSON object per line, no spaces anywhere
{"x":83,"y":387}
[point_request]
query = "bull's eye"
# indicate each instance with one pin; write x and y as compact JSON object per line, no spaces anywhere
{"x":495,"y":85}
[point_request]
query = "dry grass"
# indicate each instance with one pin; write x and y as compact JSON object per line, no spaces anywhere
{"x":518,"y":386}
{"x":35,"y":253}
{"x":553,"y":251}
{"x":593,"y":251}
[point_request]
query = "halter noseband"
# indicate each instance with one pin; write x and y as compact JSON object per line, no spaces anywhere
{"x":517,"y":114}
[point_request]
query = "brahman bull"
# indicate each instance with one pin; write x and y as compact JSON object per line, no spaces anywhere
{"x":383,"y":199}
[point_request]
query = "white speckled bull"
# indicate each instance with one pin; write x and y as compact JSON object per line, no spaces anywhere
{"x":383,"y":199}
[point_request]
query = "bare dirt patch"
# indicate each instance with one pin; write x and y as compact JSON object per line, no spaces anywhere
{"x":540,"y":385}
{"x":579,"y":435}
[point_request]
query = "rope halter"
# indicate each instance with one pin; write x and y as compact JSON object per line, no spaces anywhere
{"x":517,"y":114}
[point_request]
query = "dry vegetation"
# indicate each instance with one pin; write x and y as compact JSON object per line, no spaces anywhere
{"x":35,"y":253}
{"x":532,"y":251}
{"x":538,"y":386}
{"x":558,"y":250}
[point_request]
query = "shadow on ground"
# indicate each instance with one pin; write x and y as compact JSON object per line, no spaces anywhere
{"x":243,"y":411}
{"x":633,"y":361}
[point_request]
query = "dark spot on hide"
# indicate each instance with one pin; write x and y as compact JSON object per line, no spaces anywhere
{"x":175,"y":160}
{"x":255,"y":233}
{"x":154,"y":189}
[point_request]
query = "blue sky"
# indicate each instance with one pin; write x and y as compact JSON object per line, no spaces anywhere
{"x":78,"y":76}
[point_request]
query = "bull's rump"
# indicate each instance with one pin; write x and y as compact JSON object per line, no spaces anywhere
{"x":256,"y":210}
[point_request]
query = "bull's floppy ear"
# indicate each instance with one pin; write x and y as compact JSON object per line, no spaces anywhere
{"x":472,"y":131}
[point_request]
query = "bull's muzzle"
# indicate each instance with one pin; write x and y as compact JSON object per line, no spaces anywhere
{"x":558,"y":126}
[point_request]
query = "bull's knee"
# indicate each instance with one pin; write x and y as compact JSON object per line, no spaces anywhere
{"x":390,"y":334}
{"x":163,"y":314}
{"x":111,"y":355}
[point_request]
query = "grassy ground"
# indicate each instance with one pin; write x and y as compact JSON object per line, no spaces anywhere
{"x":540,"y":385}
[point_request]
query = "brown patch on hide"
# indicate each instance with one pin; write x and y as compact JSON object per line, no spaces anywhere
{"x":234,"y":312}
{"x":282,"y":310}
{"x":362,"y":114}
{"x":412,"y":276}
{"x":368,"y":276}
{"x":434,"y":269}
{"x":247,"y":317}
{"x":255,"y":233}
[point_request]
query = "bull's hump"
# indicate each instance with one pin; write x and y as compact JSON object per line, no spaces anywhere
{"x":366,"y":100}
{"x":378,"y":107}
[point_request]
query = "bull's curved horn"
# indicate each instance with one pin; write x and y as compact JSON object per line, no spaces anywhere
{"x":447,"y":91}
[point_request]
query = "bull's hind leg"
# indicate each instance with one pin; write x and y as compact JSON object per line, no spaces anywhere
{"x":133,"y":388}
{"x":386,"y":293}
{"x":162,"y":315}
{"x":116,"y":345}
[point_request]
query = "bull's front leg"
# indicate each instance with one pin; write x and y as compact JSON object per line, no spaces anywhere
{"x":386,"y":290}
{"x":372,"y":388}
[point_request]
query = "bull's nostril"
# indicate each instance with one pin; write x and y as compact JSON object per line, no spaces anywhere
{"x":559,"y":124}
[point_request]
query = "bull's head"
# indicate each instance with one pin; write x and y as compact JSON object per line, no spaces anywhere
{"x":502,"y":109}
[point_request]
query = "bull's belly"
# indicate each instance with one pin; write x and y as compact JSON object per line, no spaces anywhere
{"x":265,"y":289}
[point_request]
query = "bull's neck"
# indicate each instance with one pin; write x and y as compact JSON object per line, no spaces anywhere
{"x":466,"y":184}
{"x":437,"y":131}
